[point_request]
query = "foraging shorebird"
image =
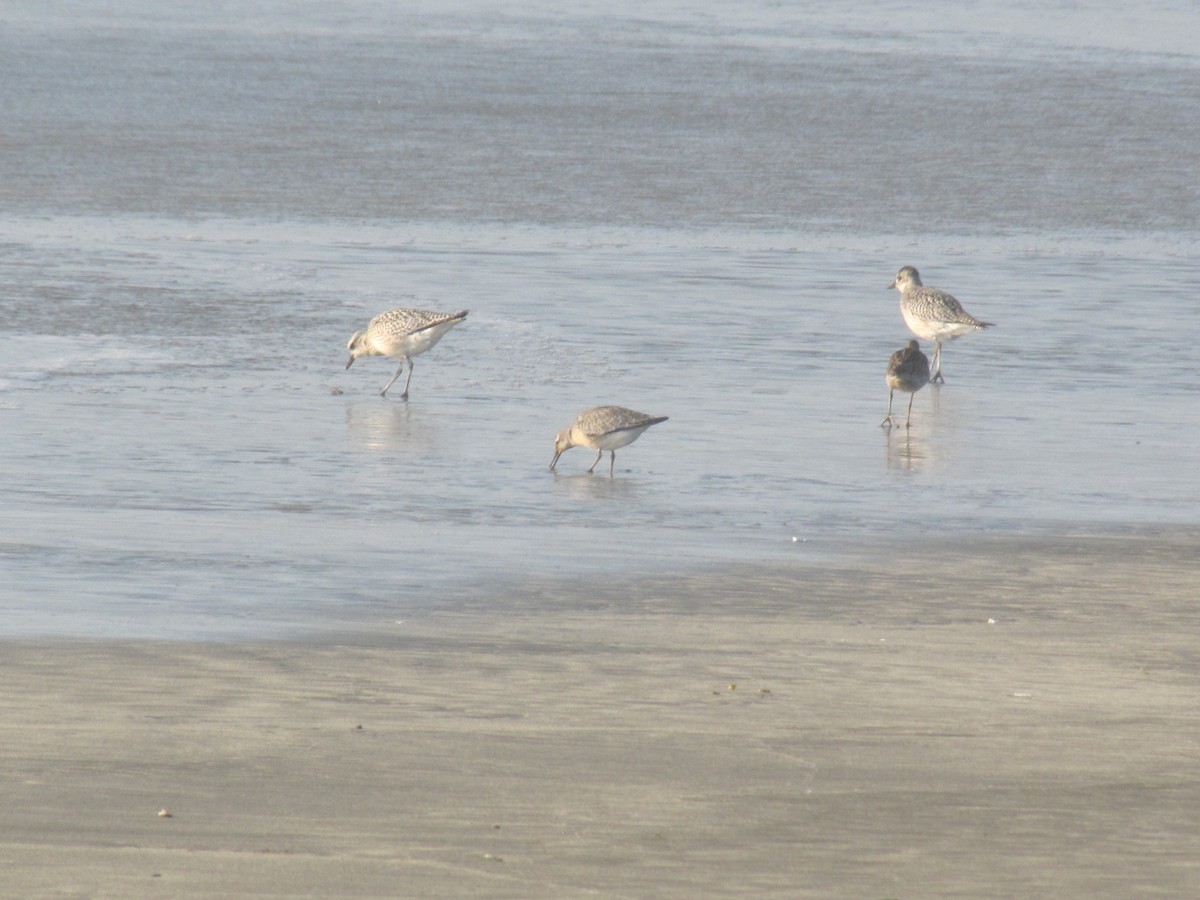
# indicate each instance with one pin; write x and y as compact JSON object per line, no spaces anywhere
{"x":932,"y":314}
{"x":404,"y":333}
{"x":603,"y":428}
{"x":908,"y":370}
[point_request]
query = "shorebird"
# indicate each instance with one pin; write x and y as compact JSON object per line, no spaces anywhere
{"x":908,"y":370}
{"x":603,"y":428}
{"x":932,"y":314}
{"x":404,"y":333}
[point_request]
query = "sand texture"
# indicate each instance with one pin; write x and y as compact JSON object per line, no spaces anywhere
{"x":849,"y":730}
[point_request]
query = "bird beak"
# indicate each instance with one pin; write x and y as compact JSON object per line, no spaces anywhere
{"x":554,"y":462}
{"x":350,"y":361}
{"x":892,"y":285}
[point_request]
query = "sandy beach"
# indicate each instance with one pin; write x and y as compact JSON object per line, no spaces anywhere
{"x":1021,"y":723}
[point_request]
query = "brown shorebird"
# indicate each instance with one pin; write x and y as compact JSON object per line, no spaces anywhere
{"x":404,"y":333}
{"x":908,"y":370}
{"x":932,"y":314}
{"x":603,"y":428}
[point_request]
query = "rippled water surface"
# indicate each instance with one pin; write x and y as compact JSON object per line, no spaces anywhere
{"x":656,"y":207}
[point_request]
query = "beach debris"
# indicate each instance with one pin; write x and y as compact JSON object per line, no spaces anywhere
{"x":164,"y":813}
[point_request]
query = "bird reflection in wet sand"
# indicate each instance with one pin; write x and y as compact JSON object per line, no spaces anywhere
{"x":391,"y":427}
{"x":908,"y":370}
{"x":932,"y":314}
{"x":603,"y":428}
{"x":904,"y":451}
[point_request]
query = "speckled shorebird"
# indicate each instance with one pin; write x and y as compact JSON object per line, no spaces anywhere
{"x":404,"y":333}
{"x":932,"y":314}
{"x":908,"y":370}
{"x":603,"y":428}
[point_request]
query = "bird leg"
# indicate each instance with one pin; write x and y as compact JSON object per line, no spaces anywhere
{"x":908,"y":418}
{"x":404,"y":396}
{"x":599,"y":454}
{"x":612,"y":461}
{"x":383,"y":393}
{"x":936,"y":377}
{"x":888,"y":420}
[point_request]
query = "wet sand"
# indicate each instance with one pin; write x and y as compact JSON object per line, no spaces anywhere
{"x":1021,"y":722}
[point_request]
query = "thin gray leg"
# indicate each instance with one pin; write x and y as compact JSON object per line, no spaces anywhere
{"x":404,"y":396}
{"x":599,"y":453}
{"x":887,"y":420}
{"x":937,"y":363}
{"x":383,"y":393}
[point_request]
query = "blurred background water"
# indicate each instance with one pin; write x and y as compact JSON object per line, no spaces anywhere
{"x":694,"y":212}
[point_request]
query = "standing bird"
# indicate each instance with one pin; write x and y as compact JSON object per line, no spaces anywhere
{"x":932,"y":314}
{"x":404,"y":333}
{"x":908,"y":370}
{"x":603,"y":428}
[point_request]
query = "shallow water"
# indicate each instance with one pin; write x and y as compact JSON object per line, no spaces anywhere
{"x":693,"y":217}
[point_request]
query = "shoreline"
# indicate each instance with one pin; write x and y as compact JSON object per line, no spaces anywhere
{"x":1019,"y":722}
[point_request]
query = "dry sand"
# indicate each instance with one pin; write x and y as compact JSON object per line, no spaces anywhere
{"x":853,"y":730}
